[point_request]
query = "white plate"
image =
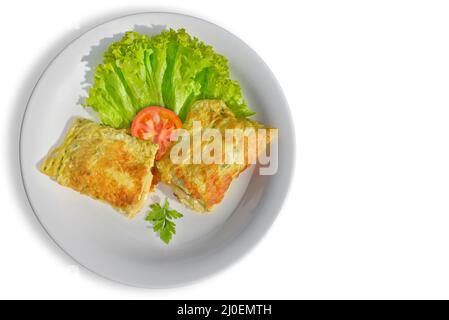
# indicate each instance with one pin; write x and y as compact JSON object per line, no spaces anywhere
{"x":126,"y":251}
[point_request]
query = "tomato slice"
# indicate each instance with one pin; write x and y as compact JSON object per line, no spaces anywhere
{"x":156,"y":124}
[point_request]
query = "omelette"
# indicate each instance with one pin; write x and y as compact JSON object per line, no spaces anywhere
{"x":104,"y":163}
{"x":202,"y":186}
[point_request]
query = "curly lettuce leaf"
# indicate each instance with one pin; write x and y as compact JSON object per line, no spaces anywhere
{"x":171,"y":69}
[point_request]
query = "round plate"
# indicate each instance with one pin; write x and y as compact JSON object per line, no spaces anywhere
{"x":128,"y":251}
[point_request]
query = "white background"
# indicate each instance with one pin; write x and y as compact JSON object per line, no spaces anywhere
{"x":368,"y":211}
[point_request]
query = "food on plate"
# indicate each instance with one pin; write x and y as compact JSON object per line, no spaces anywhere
{"x":202,"y":186}
{"x":146,"y":91}
{"x":171,"y":70}
{"x":156,"y":124}
{"x":104,"y":163}
{"x":162,"y":220}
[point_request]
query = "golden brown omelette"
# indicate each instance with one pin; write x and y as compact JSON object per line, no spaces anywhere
{"x":202,"y":186}
{"x":103,"y":163}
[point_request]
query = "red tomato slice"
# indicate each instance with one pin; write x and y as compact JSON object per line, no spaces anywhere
{"x":156,"y":124}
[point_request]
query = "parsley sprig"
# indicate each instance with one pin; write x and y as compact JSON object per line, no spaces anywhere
{"x":162,"y":217}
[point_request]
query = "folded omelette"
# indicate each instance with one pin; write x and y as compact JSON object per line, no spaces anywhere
{"x":104,"y":163}
{"x":202,"y":186}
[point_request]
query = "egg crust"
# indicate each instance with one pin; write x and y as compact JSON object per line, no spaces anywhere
{"x":105,"y":164}
{"x":202,"y":186}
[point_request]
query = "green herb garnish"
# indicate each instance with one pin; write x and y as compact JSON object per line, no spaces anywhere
{"x":162,"y":217}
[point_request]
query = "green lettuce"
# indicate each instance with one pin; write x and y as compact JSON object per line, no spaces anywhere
{"x":171,"y":69}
